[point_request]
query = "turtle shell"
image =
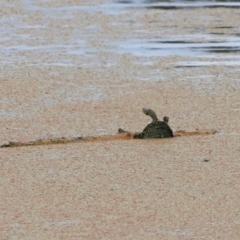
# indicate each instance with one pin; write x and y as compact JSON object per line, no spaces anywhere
{"x":157,"y":129}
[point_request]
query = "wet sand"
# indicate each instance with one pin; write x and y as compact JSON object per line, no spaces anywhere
{"x":180,"y":188}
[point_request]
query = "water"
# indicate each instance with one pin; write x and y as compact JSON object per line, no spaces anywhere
{"x":174,"y":5}
{"x":181,"y":45}
{"x":21,"y":39}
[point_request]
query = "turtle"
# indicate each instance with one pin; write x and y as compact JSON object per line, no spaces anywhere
{"x":156,"y":129}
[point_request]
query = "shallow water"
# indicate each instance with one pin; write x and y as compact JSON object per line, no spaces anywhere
{"x":182,"y":45}
{"x":174,"y":5}
{"x":22,"y":38}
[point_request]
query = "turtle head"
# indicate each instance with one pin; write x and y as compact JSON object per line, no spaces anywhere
{"x":165,"y":119}
{"x":151,"y":113}
{"x":145,"y":110}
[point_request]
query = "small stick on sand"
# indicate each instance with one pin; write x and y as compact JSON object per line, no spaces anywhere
{"x":122,"y":135}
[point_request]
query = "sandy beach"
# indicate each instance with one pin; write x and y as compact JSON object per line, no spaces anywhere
{"x":63,"y":74}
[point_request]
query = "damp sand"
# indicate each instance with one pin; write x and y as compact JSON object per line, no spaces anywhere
{"x":180,"y":188}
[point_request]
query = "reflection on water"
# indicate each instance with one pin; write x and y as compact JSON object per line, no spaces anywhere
{"x":178,"y":4}
{"x":195,"y":45}
{"x":180,"y":47}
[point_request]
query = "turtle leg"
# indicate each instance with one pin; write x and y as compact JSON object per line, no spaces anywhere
{"x":120,"y":130}
{"x":138,"y":135}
